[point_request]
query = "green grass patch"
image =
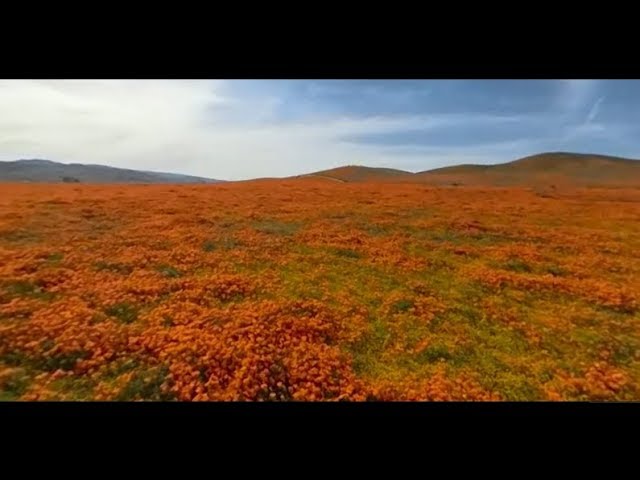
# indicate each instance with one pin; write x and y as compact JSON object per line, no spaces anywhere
{"x":208,"y":246}
{"x":401,"y":306}
{"x":450,"y":236}
{"x":625,"y":351}
{"x":455,"y":237}
{"x":14,"y":386}
{"x":586,"y":337}
{"x":74,"y":388}
{"x":346,"y":253}
{"x":515,"y":387}
{"x":113,"y":267}
{"x":517,"y":265}
{"x":47,"y":344}
{"x":365,"y":225}
{"x":54,"y":258}
{"x":20,"y":236}
{"x":118,"y":367}
{"x":375,"y":230}
{"x":168,"y":271}
{"x":274,"y":227}
{"x":26,"y":289}
{"x":124,"y":312}
{"x":146,"y":385}
{"x":66,"y":361}
{"x":226,"y":243}
{"x":555,"y":270}
{"x":499,"y":338}
{"x":61,"y":361}
{"x":366,"y":351}
{"x":434,"y":353}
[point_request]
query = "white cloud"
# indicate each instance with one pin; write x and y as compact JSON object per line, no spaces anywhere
{"x":117,"y":122}
{"x":192,"y":127}
{"x":200,"y":128}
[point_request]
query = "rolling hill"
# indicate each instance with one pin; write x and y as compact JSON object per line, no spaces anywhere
{"x":357,"y":173}
{"x":553,"y":167}
{"x":559,"y":168}
{"x":46,"y":171}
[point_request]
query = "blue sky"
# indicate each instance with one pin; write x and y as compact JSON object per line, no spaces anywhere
{"x":239,"y":129}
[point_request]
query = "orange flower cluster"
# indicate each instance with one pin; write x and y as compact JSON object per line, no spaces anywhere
{"x":314,"y":290}
{"x":600,"y":382}
{"x":271,"y":352}
{"x":439,"y":387}
{"x":619,"y":298}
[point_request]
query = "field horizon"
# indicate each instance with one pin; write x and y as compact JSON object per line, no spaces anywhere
{"x":583,"y":169}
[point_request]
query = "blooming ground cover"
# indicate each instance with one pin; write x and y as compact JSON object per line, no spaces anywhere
{"x":318,"y":290}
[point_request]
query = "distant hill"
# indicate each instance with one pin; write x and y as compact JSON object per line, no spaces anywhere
{"x":356,"y":173}
{"x":553,"y":168}
{"x":558,"y":167}
{"x":52,"y":172}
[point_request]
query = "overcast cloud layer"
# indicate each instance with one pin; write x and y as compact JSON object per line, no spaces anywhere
{"x":244,"y":129}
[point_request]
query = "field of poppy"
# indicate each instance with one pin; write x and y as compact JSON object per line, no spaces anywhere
{"x":311,"y":289}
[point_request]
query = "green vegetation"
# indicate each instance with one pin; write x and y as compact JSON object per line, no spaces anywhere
{"x":123,"y":312}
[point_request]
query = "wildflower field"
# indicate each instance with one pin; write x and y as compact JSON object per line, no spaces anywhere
{"x":312,"y":289}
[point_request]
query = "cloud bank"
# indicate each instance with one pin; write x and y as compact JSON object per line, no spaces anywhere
{"x":249,"y":129}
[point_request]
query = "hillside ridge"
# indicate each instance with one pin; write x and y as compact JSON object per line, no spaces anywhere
{"x":48,"y":171}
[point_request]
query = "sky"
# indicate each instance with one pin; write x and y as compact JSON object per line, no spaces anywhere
{"x":242,"y":129}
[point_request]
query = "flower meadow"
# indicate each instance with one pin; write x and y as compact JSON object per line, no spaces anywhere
{"x":313,"y":290}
